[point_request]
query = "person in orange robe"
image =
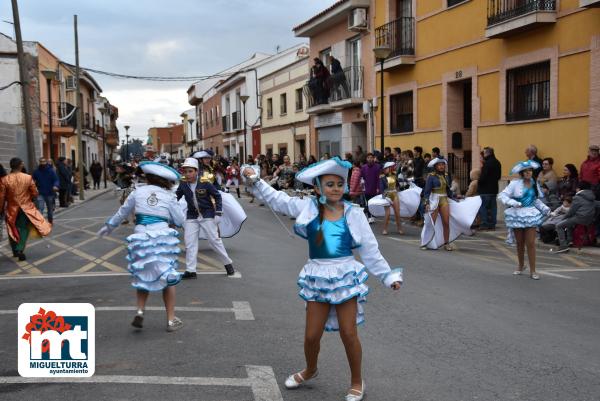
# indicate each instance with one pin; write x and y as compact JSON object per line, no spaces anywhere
{"x":17,"y":191}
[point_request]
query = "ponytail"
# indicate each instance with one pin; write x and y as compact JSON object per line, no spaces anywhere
{"x":321,"y":217}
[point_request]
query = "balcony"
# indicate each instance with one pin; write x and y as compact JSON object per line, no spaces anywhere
{"x":508,"y":17}
{"x":345,"y":90}
{"x":399,"y":35}
{"x":589,"y":3}
{"x":64,"y":118}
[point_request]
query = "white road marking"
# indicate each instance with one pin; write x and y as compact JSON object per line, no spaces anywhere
{"x":240,"y":309}
{"x":547,"y":273}
{"x":96,"y":274}
{"x":261,"y":379}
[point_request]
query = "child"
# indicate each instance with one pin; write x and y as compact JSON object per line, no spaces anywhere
{"x":153,"y":247}
{"x":233,"y":177}
{"x":332,"y":282}
{"x":548,"y":229}
{"x":202,"y":218}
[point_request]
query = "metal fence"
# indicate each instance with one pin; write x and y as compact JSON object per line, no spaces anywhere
{"x":503,"y":10}
{"x":399,"y":35}
{"x":349,"y":83}
{"x":459,"y":168}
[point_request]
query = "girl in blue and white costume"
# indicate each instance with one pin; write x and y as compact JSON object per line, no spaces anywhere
{"x":153,"y":247}
{"x":525,"y":212}
{"x":332,"y":281}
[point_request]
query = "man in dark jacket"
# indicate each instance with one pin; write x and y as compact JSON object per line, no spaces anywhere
{"x":370,"y":173}
{"x":47,"y":184}
{"x":202,"y":218}
{"x":65,"y":176}
{"x":419,"y":166}
{"x":338,"y":77}
{"x":582,"y":211}
{"x":487,"y":187}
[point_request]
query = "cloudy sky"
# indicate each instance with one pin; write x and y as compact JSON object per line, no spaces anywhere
{"x":159,"y":38}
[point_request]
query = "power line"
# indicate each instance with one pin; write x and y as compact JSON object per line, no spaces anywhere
{"x":151,"y":78}
{"x":9,"y":85}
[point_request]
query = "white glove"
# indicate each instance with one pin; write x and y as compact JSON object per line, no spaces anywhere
{"x":217,"y":219}
{"x":105,"y":230}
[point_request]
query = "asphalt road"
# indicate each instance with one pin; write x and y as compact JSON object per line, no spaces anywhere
{"x":461,"y":328}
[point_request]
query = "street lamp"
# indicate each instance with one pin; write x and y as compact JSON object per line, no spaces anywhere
{"x":381,"y":53}
{"x":103,"y":110}
{"x":127,"y":143}
{"x":171,"y":143}
{"x":50,"y":76}
{"x":193,"y":140}
{"x":244,"y":99}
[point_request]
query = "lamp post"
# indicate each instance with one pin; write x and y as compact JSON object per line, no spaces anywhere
{"x":171,"y":143}
{"x":103,"y":110}
{"x":192,"y":139}
{"x":50,"y":76}
{"x":127,"y":143}
{"x":381,"y":53}
{"x":244,"y":99}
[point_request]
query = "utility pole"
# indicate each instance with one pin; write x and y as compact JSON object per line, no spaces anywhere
{"x":24,"y":90}
{"x":79,"y":112}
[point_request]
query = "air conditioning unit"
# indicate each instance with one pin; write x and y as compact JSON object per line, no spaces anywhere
{"x":70,"y":83}
{"x":357,"y":20}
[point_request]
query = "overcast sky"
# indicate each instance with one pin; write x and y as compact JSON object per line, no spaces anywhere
{"x":159,"y":38}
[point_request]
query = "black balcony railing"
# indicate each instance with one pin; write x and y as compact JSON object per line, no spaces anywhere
{"x":345,"y":84}
{"x":236,"y":120}
{"x":503,"y":10}
{"x":63,"y":114}
{"x":399,"y":35}
{"x":225,"y":120}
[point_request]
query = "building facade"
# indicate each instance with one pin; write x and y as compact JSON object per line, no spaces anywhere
{"x":285,"y":127}
{"x":510,"y":74}
{"x":339,"y":120}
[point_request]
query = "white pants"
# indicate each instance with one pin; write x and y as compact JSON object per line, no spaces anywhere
{"x":192,"y":228}
{"x":232,"y":181}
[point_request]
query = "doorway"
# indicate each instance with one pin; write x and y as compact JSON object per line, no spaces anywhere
{"x":459,"y":114}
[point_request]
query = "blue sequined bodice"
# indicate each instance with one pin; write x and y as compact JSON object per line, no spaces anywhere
{"x":528,"y":197}
{"x":337,"y":240}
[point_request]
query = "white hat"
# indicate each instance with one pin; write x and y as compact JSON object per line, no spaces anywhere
{"x":527,"y":164}
{"x":201,"y":154}
{"x":190,"y":162}
{"x":388,"y":164}
{"x":435,"y":161}
{"x":333,"y":166}
{"x":161,"y":170}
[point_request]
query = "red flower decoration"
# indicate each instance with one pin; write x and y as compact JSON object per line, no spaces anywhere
{"x":42,"y":322}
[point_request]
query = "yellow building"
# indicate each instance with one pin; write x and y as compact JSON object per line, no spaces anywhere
{"x":285,"y":122}
{"x":502,"y":73}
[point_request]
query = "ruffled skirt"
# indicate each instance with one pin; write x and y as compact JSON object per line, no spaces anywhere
{"x":409,"y":202}
{"x":523,"y":217}
{"x":334,"y":281}
{"x":152,"y":256}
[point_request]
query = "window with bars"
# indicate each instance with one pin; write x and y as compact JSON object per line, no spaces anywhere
{"x":401,"y":112}
{"x":270,"y":108}
{"x":299,"y":102}
{"x":528,"y":92}
{"x":283,"y":104}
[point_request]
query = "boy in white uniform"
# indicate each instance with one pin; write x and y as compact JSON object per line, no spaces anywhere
{"x":202,"y":217}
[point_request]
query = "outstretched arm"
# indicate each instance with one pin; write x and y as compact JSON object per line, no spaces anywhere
{"x":123,"y":211}
{"x":277,"y":200}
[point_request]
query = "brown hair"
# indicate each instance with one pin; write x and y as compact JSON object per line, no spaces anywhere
{"x":158,"y":181}
{"x":321,"y":217}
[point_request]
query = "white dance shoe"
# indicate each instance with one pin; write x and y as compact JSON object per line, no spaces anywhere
{"x":291,"y":382}
{"x":356,"y":395}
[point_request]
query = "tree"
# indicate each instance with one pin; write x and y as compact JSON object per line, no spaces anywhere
{"x":136,"y":149}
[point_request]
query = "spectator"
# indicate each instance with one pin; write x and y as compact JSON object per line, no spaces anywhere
{"x":472,"y":189}
{"x":548,"y":229}
{"x":232,"y":174}
{"x":312,"y":160}
{"x":397,"y":154}
{"x":47,"y":184}
{"x":568,"y":184}
{"x":302,"y":163}
{"x":326,"y":156}
{"x":285,"y":174}
{"x":338,"y":78}
{"x":96,"y":171}
{"x":487,"y":187}
{"x":582,"y":211}
{"x":356,"y":188}
{"x":275,"y":161}
{"x":65,"y":176}
{"x":419,"y":166}
{"x":360,"y":155}
{"x":531,"y":153}
{"x":427,"y":170}
{"x":319,"y":82}
{"x":370,"y":174}
{"x":590,"y":169}
{"x":435,"y":153}
{"x":549,"y":183}
{"x":387,"y":155}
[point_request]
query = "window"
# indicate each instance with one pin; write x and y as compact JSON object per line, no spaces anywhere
{"x":528,"y":92}
{"x":299,"y":104}
{"x":283,"y":104}
{"x":324,"y":56}
{"x":455,"y":2}
{"x":353,"y":48}
{"x":270,"y":108}
{"x":401,"y":112}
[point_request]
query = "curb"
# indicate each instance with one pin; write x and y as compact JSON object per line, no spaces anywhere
{"x":78,"y":205}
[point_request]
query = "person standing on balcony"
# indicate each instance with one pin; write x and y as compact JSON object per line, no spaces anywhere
{"x":319,"y":82}
{"x":338,"y":77}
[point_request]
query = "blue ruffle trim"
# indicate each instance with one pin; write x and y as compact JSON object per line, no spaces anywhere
{"x":360,"y":278}
{"x":318,"y":298}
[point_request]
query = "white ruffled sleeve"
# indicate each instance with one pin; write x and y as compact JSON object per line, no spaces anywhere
{"x":506,"y":196}
{"x":279,"y":200}
{"x":176,"y":211}
{"x":370,"y":255}
{"x":124,"y":211}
